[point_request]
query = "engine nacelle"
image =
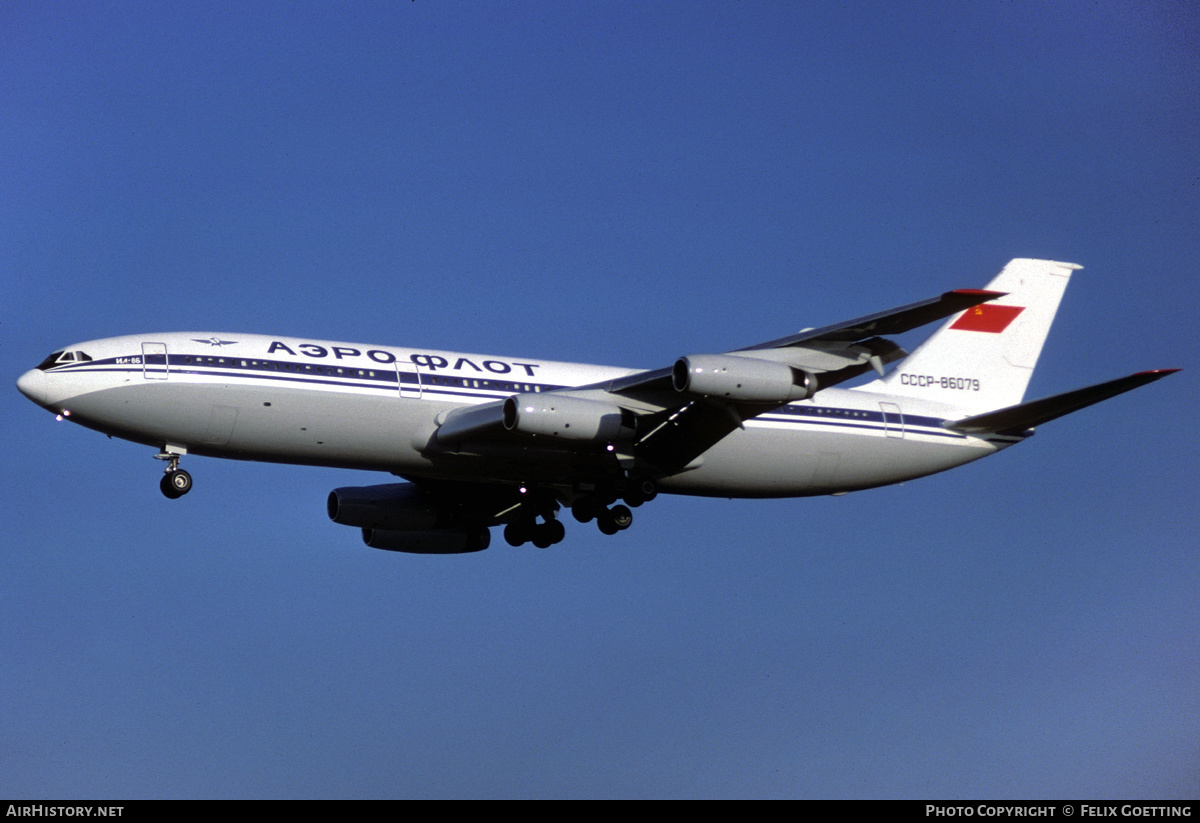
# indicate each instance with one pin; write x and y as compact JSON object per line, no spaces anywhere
{"x":392,"y":506}
{"x":430,"y":541}
{"x":568,"y":418}
{"x":747,"y":379}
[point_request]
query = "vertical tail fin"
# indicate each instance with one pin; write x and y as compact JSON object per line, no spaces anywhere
{"x":983,"y":358}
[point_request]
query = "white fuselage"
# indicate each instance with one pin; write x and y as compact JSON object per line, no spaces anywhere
{"x":289,"y":400}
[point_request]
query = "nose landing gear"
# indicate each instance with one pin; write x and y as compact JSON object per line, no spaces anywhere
{"x":175,"y":481}
{"x":175,"y":484}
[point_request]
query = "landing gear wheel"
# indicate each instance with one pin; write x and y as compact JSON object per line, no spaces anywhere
{"x":585,"y":510}
{"x":548,"y":533}
{"x":175,"y":483}
{"x":616,"y":519}
{"x":621,"y":517}
{"x":649,"y":490}
{"x":518,"y":532}
{"x":642,"y":492}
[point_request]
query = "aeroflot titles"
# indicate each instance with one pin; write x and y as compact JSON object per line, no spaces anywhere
{"x":430,"y":362}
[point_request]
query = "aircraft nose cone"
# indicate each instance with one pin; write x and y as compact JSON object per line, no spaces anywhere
{"x":32,"y":384}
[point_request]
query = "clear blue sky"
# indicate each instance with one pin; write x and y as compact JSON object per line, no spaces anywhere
{"x":616,"y":183}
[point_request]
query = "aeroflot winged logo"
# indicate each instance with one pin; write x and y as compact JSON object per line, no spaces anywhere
{"x":987,"y":317}
{"x":214,"y":341}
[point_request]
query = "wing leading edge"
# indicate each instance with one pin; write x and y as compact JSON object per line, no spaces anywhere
{"x":891,"y":321}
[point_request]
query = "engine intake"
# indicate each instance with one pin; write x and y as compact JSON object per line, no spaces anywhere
{"x":742,"y":378}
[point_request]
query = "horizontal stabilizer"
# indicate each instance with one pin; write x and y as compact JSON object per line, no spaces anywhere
{"x":1024,"y":416}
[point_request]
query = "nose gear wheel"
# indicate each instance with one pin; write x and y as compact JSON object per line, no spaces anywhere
{"x":175,"y":481}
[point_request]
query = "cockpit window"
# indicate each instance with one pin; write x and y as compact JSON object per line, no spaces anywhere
{"x":50,"y":361}
{"x":61,"y":357}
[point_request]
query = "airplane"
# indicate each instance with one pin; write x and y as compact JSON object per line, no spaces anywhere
{"x":485,"y":440}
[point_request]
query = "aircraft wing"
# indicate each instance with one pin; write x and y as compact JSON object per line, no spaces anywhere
{"x":836,"y":353}
{"x":892,"y":321}
{"x":666,"y":418}
{"x":686,"y":425}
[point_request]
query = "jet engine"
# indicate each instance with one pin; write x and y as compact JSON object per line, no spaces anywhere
{"x":398,"y":517}
{"x":392,"y":506}
{"x":429,"y":541}
{"x":570,"y":418}
{"x":748,"y":379}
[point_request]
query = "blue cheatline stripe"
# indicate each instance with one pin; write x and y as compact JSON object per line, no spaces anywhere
{"x":306,"y":374}
{"x":385,"y":380}
{"x":913,"y":425}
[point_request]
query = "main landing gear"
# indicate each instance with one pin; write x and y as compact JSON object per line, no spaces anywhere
{"x":526,"y":529}
{"x":612,"y":517}
{"x":609,"y":519}
{"x":523,"y":526}
{"x":598,"y":503}
{"x":175,"y":481}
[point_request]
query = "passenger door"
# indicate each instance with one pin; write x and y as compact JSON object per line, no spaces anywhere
{"x":154,"y":361}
